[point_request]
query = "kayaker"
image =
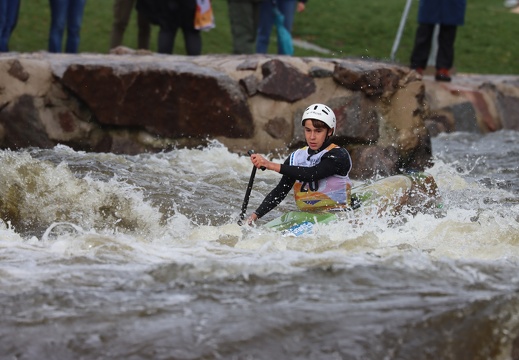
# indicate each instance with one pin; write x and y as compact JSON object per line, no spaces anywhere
{"x":318,"y":172}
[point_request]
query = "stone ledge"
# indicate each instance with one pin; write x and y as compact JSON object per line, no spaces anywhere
{"x":142,"y":102}
{"x":474,"y":103}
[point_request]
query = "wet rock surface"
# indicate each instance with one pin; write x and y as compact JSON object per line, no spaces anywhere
{"x":473,"y":103}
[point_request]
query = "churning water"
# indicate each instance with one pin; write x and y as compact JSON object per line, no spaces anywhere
{"x":106,"y":256}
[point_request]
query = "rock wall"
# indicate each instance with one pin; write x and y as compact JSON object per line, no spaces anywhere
{"x":473,"y":103}
{"x":132,"y":103}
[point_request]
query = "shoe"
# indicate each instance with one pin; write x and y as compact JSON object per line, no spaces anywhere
{"x":442,"y":75}
{"x":419,"y":70}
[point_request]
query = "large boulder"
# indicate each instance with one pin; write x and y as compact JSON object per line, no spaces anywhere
{"x":170,"y":100}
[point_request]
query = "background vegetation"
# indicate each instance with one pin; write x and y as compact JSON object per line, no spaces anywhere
{"x":486,"y":44}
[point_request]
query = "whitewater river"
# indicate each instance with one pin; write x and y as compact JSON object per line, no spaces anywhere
{"x":140,"y":257}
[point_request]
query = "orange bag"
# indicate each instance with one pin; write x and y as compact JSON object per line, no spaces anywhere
{"x":204,"y":19}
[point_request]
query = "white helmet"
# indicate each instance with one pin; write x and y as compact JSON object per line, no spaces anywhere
{"x":320,"y":112}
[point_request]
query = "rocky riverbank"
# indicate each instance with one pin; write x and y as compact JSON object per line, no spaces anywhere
{"x":473,"y":103}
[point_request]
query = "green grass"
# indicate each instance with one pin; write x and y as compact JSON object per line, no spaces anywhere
{"x":486,"y":44}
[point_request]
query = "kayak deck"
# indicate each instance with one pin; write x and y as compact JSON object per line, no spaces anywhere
{"x":299,"y":221}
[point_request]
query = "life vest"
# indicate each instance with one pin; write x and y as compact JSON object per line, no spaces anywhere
{"x":332,"y":192}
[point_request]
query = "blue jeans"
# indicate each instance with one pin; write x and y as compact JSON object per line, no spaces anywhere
{"x":8,"y":17}
{"x":266,"y":22}
{"x":69,"y":13}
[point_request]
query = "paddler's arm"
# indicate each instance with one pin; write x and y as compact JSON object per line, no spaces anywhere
{"x":278,"y":194}
{"x":336,"y":161}
{"x":327,"y":167}
{"x":273,"y":199}
{"x":261,"y":163}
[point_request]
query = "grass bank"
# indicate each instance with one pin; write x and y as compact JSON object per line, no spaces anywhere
{"x":486,"y":44}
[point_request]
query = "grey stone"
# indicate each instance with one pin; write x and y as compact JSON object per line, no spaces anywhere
{"x":283,"y":82}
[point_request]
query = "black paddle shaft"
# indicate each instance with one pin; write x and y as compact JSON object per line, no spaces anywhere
{"x":247,"y":193}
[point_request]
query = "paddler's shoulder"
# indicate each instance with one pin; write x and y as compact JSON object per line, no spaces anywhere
{"x":337,"y":151}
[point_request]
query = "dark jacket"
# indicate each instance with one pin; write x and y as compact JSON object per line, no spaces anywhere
{"x":168,"y":13}
{"x":445,"y":12}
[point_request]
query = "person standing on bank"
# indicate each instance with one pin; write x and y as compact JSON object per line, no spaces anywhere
{"x":67,"y":13}
{"x":288,"y":8}
{"x":244,"y":20}
{"x":122,"y":13}
{"x":318,"y":172}
{"x":448,"y":14}
{"x":9,"y":10}
{"x":170,"y":16}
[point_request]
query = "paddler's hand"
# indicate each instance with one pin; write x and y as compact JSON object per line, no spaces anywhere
{"x":251,"y":219}
{"x":261,"y":163}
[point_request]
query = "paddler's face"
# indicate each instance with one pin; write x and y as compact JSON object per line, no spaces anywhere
{"x":315,"y":137}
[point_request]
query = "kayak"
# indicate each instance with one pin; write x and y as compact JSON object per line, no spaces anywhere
{"x":409,"y":193}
